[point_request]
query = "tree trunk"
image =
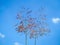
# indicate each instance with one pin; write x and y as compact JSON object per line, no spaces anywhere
{"x":26,"y":38}
{"x":35,"y":41}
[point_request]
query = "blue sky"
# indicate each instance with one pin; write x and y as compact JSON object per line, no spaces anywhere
{"x":8,"y":12}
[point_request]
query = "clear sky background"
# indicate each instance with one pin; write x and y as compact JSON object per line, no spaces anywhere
{"x":8,"y":12}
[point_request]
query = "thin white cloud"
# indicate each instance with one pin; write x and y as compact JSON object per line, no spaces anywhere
{"x":2,"y":35}
{"x":17,"y":43}
{"x":55,"y":20}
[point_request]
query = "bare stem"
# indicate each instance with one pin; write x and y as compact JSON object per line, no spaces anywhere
{"x":35,"y":40}
{"x":26,"y":38}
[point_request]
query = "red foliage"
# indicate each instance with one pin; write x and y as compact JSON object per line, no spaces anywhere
{"x":21,"y":28}
{"x":32,"y":33}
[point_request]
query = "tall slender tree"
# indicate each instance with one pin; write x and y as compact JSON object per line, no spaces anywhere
{"x":41,"y":28}
{"x":24,"y":22}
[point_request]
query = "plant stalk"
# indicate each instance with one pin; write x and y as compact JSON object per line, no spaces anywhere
{"x":26,"y":38}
